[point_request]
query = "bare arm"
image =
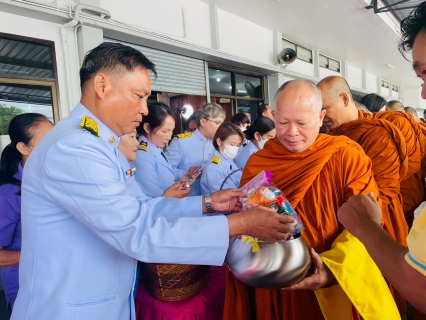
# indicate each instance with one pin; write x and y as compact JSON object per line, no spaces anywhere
{"x":9,"y":258}
{"x":361,"y":215}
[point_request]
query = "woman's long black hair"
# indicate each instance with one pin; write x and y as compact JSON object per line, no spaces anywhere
{"x":21,"y":129}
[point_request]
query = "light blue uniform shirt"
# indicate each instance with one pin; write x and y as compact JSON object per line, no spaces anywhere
{"x":215,"y":172}
{"x":189,"y":151}
{"x":85,"y":221}
{"x":158,"y":174}
{"x":241,"y":159}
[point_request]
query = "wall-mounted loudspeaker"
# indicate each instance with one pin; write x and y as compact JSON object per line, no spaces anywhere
{"x":287,"y":56}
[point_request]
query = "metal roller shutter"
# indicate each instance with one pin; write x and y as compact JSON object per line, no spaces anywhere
{"x":176,"y":73}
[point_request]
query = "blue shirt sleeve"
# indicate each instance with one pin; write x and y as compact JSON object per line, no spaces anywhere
{"x":147,"y":176}
{"x":91,"y":190}
{"x":174,"y":155}
{"x":9,"y":219}
{"x":211,"y":179}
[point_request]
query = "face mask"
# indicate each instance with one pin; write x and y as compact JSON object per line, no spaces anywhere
{"x":261,"y":143}
{"x":230,"y":152}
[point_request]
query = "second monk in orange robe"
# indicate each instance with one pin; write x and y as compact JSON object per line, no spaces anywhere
{"x":386,"y":147}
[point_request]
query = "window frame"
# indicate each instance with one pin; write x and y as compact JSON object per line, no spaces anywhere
{"x":328,"y":62}
{"x":234,"y":98}
{"x":394,"y":86}
{"x":383,"y":83}
{"x":45,"y":82}
{"x":298,"y":45}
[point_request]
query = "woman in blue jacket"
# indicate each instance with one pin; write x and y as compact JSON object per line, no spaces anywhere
{"x":262,"y":130}
{"x":156,"y":175}
{"x":226,"y":141}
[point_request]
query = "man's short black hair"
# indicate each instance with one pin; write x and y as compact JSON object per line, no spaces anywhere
{"x":115,"y":58}
{"x":411,"y":26}
{"x":261,"y":108}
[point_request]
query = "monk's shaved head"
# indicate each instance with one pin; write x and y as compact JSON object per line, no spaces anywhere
{"x":337,"y":101}
{"x":394,"y":105}
{"x":298,"y":84}
{"x":298,"y":114}
{"x":335,"y":86}
{"x":412,"y":112}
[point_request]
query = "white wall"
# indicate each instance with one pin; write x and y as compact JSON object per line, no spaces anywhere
{"x":371,"y":83}
{"x":354,"y":76}
{"x":301,"y":66}
{"x":245,"y":39}
{"x":327,"y":72}
{"x":411,"y":97}
{"x":165,"y":16}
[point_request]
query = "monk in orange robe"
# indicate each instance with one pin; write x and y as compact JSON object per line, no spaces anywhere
{"x":412,"y":185}
{"x":386,"y":147}
{"x":317,"y":173}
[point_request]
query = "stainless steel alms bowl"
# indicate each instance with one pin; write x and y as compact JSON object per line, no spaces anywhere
{"x":274,"y":265}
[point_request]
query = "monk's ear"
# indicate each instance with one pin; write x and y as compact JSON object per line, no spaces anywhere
{"x":345,"y":98}
{"x":322,"y":115}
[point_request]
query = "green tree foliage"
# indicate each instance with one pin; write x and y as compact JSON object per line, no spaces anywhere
{"x":6,"y":114}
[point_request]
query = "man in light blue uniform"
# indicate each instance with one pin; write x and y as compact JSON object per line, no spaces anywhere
{"x":85,"y":221}
{"x":190,"y":150}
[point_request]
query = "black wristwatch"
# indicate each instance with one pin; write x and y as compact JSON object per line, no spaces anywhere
{"x":208,"y":201}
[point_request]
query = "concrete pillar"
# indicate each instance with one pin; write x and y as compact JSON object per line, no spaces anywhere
{"x":315,"y":61}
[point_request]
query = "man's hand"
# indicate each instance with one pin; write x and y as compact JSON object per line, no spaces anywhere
{"x":174,"y":191}
{"x":359,"y":211}
{"x":262,"y":223}
{"x":322,"y":276}
{"x":227,"y":200}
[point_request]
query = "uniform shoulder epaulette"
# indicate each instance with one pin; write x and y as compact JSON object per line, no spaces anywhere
{"x":143,"y":146}
{"x":184,"y":135}
{"x":90,"y":125}
{"x":216,"y":160}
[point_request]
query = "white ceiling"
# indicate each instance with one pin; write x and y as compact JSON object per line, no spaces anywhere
{"x":344,"y":30}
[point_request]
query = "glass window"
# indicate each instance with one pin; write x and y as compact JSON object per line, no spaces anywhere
{"x":19,"y":98}
{"x":249,"y":108}
{"x":248,"y":86}
{"x":323,"y":61}
{"x":25,"y":59}
{"x":304,"y":54}
{"x":288,"y":44}
{"x":334,"y":65}
{"x":220,"y":82}
{"x":385,"y":84}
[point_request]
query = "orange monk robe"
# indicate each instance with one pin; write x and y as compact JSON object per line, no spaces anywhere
{"x":386,"y":147}
{"x":412,"y":186}
{"x":317,"y":182}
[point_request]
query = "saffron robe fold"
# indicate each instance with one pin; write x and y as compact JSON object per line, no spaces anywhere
{"x":317,"y":182}
{"x":412,"y":186}
{"x":386,"y":147}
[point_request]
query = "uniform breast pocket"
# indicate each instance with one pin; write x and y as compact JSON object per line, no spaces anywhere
{"x":90,"y":301}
